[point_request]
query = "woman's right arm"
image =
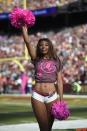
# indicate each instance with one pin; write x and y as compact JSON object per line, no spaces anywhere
{"x":31,"y":49}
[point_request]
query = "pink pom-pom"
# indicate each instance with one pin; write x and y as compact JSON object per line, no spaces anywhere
{"x":60,"y":110}
{"x":29,"y":18}
{"x":21,"y":17}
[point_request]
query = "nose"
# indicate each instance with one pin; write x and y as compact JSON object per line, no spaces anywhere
{"x":43,"y":46}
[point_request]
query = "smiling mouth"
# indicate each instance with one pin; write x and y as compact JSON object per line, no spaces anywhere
{"x":44,"y":50}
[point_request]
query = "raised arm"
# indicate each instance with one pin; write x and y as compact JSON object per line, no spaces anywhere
{"x":31,"y":49}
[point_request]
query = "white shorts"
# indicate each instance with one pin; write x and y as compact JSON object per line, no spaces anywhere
{"x":44,"y":99}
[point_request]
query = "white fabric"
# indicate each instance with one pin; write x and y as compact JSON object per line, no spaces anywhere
{"x":45,"y":99}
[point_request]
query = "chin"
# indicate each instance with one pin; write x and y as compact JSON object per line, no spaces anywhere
{"x":45,"y":52}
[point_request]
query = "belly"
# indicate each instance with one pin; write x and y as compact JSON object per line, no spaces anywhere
{"x":45,"y":87}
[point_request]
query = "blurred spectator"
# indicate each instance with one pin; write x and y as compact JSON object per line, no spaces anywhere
{"x":24,"y":80}
{"x":7,"y":5}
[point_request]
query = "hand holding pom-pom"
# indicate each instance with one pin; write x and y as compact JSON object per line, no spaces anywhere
{"x":21,"y":17}
{"x":60,"y":110}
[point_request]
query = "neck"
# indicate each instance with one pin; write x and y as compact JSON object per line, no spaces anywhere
{"x":45,"y":57}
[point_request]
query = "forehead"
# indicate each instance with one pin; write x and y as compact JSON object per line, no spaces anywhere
{"x":44,"y":42}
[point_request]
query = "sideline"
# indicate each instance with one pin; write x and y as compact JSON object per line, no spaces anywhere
{"x":29,"y":95}
{"x":67,"y":124}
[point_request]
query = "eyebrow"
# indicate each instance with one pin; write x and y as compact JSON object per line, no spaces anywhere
{"x":45,"y":42}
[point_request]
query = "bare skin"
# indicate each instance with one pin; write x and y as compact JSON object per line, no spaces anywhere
{"x":42,"y":110}
{"x":45,"y":87}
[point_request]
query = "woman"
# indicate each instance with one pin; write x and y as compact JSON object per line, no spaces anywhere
{"x":47,"y":73}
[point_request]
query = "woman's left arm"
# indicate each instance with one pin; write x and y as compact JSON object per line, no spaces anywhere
{"x":60,"y":85}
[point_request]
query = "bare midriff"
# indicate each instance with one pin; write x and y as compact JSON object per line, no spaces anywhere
{"x":45,"y":87}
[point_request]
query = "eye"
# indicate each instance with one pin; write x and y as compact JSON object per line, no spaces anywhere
{"x":46,"y":44}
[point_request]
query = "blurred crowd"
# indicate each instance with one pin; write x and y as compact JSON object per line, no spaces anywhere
{"x":7,"y":5}
{"x":10,"y":45}
{"x":71,"y":47}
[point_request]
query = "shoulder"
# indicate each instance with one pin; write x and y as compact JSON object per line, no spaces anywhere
{"x":34,"y":61}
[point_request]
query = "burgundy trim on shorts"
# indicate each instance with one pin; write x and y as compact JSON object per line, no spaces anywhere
{"x":43,"y":94}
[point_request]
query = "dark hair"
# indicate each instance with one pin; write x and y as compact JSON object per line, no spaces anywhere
{"x":51,"y":51}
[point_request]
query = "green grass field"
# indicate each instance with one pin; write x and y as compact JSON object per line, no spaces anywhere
{"x":15,"y":109}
